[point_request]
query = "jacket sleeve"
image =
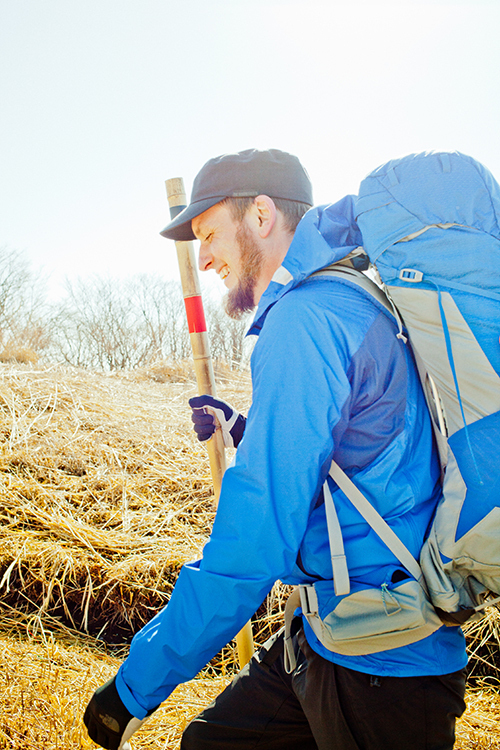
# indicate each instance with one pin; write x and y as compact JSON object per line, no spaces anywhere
{"x":299,"y":388}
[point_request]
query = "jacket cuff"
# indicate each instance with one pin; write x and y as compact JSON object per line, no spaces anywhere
{"x":129,"y":698}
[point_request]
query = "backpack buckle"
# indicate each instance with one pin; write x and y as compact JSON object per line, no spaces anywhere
{"x":409,"y":274}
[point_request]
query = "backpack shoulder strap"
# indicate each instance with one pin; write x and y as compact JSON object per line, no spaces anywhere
{"x":348,"y":273}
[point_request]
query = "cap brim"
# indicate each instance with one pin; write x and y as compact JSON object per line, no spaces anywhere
{"x":179,"y":228}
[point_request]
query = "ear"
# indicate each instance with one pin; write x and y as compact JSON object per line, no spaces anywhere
{"x":264,"y":215}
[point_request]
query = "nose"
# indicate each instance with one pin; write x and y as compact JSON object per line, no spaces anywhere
{"x":205,"y":258}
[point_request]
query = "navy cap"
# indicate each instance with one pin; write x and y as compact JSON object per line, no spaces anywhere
{"x":243,"y":175}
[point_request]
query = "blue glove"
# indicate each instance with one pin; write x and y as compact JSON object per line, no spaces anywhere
{"x":109,"y":723}
{"x":206,"y":409}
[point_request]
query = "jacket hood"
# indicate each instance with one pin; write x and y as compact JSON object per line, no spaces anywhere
{"x":325,"y":235}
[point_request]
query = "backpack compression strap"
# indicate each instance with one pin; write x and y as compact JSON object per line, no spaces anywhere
{"x":305,"y":595}
{"x":375,"y":520}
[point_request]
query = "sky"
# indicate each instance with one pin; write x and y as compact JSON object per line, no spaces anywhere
{"x":103,"y":100}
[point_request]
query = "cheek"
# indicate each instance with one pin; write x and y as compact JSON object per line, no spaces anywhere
{"x":232,"y":278}
{"x":232,"y":259}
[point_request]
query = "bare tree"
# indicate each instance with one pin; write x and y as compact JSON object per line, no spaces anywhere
{"x":161,"y":306}
{"x":23,"y":304}
{"x":96,"y":325}
{"x":226,"y":335}
{"x":112,"y":324}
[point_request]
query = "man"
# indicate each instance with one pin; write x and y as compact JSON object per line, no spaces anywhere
{"x":331,"y":380}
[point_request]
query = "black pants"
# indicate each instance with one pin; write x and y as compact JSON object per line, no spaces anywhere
{"x":322,"y":706}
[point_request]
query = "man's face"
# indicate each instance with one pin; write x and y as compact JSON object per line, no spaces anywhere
{"x":233,"y":252}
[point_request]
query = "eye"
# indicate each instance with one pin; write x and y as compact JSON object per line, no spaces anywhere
{"x":209,"y":236}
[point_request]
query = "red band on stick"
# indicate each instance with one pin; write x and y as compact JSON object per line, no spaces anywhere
{"x":195,"y":315}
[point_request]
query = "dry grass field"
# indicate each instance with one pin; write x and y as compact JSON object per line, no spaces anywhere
{"x":104,"y":493}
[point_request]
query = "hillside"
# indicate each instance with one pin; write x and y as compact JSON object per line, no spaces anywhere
{"x":105,"y":492}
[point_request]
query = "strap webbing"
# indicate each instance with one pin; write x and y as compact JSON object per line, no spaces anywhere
{"x":375,"y":520}
{"x":371,"y":516}
{"x":339,"y":271}
{"x":462,"y":287}
{"x":293,"y":602}
{"x":341,"y":582}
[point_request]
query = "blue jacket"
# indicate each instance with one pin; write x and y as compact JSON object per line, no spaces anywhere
{"x":330,"y":380}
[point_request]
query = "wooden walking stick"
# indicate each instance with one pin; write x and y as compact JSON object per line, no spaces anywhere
{"x":203,"y":365}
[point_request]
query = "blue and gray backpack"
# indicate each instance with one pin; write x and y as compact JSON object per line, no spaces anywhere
{"x":430,"y":228}
{"x":430,"y":225}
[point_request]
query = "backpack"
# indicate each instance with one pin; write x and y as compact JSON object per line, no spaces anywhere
{"x":430,"y":228}
{"x":430,"y":225}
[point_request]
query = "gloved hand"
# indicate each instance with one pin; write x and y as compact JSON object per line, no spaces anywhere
{"x":205,"y":408}
{"x":109,"y":723}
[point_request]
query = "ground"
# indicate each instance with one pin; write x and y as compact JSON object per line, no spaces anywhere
{"x":104,"y":493}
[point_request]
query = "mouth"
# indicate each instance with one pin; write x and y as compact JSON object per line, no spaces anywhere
{"x":224,"y":273}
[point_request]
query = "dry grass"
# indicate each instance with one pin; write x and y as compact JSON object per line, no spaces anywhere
{"x":104,"y":493}
{"x":479,"y":727}
{"x":483,"y":639}
{"x":46,"y":684}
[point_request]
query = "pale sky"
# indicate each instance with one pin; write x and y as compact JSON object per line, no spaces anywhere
{"x":102,"y":100}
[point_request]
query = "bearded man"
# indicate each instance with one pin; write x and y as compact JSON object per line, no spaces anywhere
{"x":333,"y":379}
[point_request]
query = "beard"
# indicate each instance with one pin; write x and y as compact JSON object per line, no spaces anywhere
{"x":241,"y":300}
